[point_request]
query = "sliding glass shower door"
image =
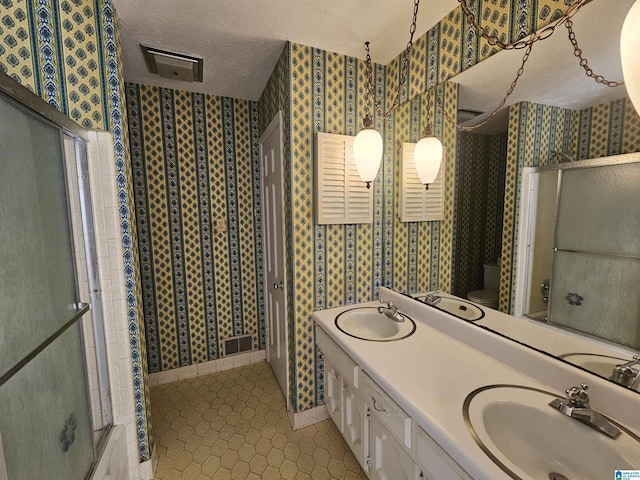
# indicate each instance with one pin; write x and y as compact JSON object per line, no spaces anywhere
{"x":47,"y":426}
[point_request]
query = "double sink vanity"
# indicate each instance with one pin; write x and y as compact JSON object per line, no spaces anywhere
{"x":419,"y":392}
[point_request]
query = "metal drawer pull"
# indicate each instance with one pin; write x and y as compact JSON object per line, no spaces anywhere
{"x":375,"y":407}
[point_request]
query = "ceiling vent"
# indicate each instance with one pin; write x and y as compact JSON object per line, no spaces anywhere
{"x":176,"y":66}
{"x":464,"y":115}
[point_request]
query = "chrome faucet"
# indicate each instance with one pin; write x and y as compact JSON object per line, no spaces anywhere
{"x":625,"y":375}
{"x":578,"y":406}
{"x":433,"y":298}
{"x":390,"y":310}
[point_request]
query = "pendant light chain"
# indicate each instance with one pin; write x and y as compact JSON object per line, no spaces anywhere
{"x":403,"y":72}
{"x":577,"y":51}
{"x":428,"y":131}
{"x":545,"y":32}
{"x":527,"y":43}
{"x":512,"y":87}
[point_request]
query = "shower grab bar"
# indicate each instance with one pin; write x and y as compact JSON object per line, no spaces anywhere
{"x":81,"y":308}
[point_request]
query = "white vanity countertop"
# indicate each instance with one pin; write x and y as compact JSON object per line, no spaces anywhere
{"x":430,"y":373}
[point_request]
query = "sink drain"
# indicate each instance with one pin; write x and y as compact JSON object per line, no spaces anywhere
{"x":557,"y":476}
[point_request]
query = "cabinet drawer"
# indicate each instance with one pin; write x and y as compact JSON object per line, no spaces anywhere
{"x":435,"y":462}
{"x":340,"y":360}
{"x":389,"y":412}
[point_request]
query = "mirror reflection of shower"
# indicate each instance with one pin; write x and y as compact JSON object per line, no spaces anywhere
{"x":578,"y":257}
{"x":540,"y":223}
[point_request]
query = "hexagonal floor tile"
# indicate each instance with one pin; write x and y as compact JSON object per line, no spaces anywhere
{"x":234,"y":424}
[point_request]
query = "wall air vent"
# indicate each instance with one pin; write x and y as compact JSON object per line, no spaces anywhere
{"x":235,"y":345}
{"x":173,"y":65}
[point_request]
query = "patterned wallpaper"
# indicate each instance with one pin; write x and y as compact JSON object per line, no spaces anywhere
{"x":537,"y":130}
{"x":480,"y":171}
{"x":196,"y":163}
{"x":335,"y":265}
{"x":70,"y":56}
{"x":68,"y":53}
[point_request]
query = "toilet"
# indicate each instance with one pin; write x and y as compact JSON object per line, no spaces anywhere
{"x":488,"y":297}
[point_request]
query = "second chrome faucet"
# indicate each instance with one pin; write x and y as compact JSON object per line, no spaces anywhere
{"x":390,"y":310}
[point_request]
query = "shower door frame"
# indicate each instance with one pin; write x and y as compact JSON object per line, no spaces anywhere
{"x":527,"y":218}
{"x":26,"y":101}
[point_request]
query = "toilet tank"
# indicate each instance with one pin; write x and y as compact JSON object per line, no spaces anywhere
{"x":491,"y":277}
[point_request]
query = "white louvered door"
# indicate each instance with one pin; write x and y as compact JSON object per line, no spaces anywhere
{"x":341,"y":196}
{"x":416,"y":203}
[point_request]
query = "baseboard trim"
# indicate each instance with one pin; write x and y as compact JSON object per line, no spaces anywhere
{"x":308,"y":417}
{"x":219,"y":365}
{"x":147,"y":469}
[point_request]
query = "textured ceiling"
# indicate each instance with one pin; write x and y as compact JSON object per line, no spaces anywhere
{"x":241,"y":40}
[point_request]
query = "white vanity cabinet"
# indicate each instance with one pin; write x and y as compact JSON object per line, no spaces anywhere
{"x":355,"y":427}
{"x":390,"y":439}
{"x":344,"y":403}
{"x":433,"y":462}
{"x":389,"y":460}
{"x":388,"y":444}
{"x":333,"y":392}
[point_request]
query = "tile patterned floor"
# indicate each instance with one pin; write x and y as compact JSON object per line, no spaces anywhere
{"x":234,"y":425}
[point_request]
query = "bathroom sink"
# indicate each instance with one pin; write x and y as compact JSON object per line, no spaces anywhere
{"x":599,"y":364}
{"x":528,"y":439}
{"x":455,"y":306}
{"x":366,"y":323}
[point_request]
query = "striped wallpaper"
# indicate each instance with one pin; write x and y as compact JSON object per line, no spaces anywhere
{"x":322,"y":91}
{"x":342,"y":264}
{"x":195,"y":165}
{"x":480,"y":177}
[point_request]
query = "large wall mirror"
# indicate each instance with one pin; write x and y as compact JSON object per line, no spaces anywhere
{"x":557,"y":115}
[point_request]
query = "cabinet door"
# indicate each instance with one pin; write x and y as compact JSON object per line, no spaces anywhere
{"x":333,"y":393}
{"x":354,"y":418}
{"x":389,"y":461}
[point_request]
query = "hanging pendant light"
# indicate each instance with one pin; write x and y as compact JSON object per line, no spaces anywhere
{"x":367,"y":151}
{"x":368,"y":146}
{"x":629,"y":41}
{"x":428,"y":152}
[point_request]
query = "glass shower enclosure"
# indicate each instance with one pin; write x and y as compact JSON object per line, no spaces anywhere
{"x":581,"y":249}
{"x":54,"y":399}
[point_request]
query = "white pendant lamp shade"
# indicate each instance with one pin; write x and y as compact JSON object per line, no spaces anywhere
{"x":629,"y":41}
{"x":367,"y":153}
{"x":428,"y":156}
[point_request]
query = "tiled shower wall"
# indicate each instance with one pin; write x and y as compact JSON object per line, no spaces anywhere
{"x":197,"y":190}
{"x":534,"y":132}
